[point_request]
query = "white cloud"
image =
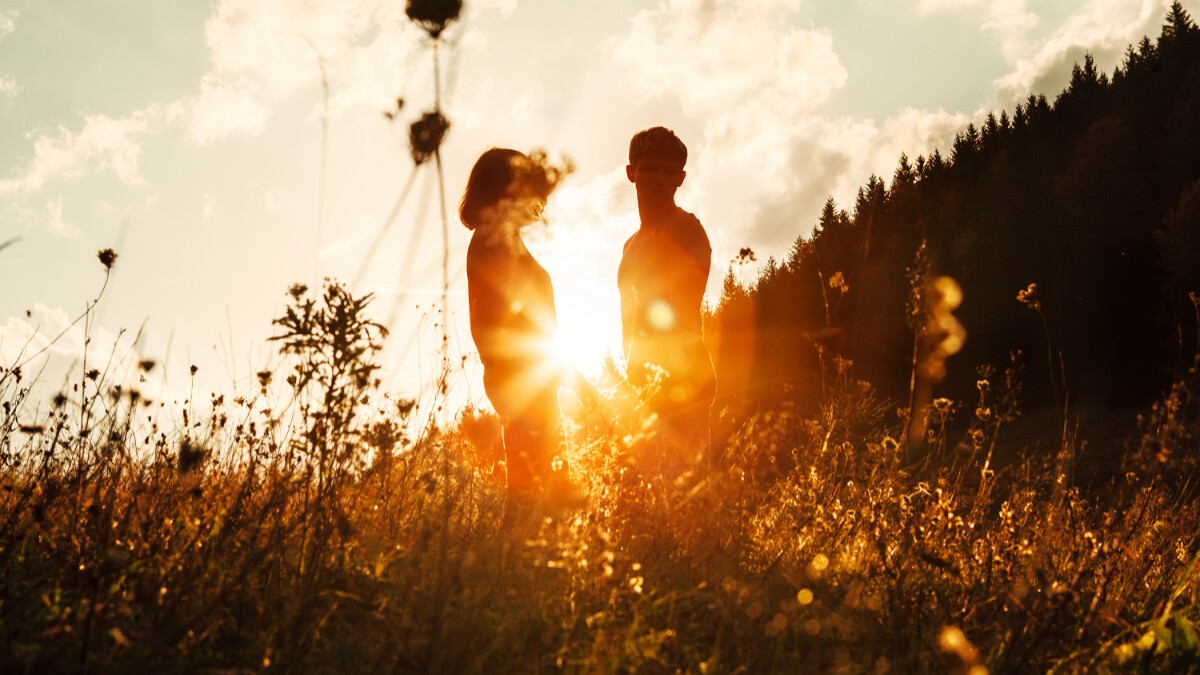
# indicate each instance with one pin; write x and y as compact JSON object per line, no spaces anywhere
{"x":221,"y":110}
{"x":103,"y":143}
{"x":762,"y":177}
{"x":1009,"y":20}
{"x":262,"y":51}
{"x":19,"y":341}
{"x":504,"y":7}
{"x":1103,"y":28}
{"x":46,"y":343}
{"x":208,"y":203}
{"x":8,"y":86}
{"x":711,"y":55}
{"x":55,"y":222}
{"x":32,"y":214}
{"x":8,"y":22}
{"x":275,"y":43}
{"x":755,"y":81}
{"x":917,"y":132}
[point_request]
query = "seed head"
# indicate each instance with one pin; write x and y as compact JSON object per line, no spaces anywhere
{"x":107,"y":257}
{"x":1029,"y":298}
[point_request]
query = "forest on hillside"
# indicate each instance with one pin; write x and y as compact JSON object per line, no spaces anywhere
{"x":1093,"y":197}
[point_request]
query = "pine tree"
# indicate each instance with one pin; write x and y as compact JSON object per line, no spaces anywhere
{"x":1019,"y":117}
{"x":1178,"y":24}
{"x":966,"y":145}
{"x":904,"y":176}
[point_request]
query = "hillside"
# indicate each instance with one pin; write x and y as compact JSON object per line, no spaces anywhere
{"x":1094,"y":197}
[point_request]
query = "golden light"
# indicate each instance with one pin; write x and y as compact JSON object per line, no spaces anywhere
{"x":580,"y":246}
{"x":589,"y":320}
{"x":661,"y":315}
{"x":583,"y":346}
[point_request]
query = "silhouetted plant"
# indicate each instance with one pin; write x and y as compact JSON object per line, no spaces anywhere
{"x":334,"y":345}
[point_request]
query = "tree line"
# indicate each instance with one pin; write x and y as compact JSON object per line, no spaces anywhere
{"x":1094,"y":197}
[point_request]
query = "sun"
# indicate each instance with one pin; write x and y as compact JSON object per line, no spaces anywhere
{"x":583,"y":344}
{"x":589,"y":324}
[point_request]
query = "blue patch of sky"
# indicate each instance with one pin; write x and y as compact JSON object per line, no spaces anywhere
{"x":109,"y":57}
{"x":896,"y":57}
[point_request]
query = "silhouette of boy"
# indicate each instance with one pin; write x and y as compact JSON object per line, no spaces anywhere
{"x":663,"y":272}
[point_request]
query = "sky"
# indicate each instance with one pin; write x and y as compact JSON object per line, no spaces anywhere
{"x":231,"y":148}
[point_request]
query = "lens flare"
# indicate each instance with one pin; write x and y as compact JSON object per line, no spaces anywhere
{"x":660,"y":315}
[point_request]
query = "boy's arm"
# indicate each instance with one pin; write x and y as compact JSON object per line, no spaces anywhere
{"x":628,"y":302}
{"x":699,"y":254}
{"x":628,"y":316}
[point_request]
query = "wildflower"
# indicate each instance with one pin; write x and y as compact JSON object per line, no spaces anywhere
{"x":264,"y":378}
{"x":146,"y":365}
{"x":433,"y":15}
{"x":426,"y":134}
{"x":107,"y":257}
{"x":1028,"y":297}
{"x":191,"y":456}
{"x":839,"y":282}
{"x":941,"y":405}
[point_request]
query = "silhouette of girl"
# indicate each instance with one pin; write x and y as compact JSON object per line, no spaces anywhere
{"x":513,"y":320}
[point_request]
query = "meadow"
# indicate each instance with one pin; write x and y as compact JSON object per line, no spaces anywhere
{"x":317,"y":524}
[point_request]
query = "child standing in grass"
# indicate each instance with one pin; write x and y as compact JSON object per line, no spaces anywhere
{"x":663,"y":272}
{"x":513,"y":320}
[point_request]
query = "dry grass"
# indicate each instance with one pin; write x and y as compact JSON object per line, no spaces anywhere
{"x":261,"y":541}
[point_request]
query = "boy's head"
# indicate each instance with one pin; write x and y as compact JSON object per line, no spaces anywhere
{"x":656,"y":160}
{"x":658,"y":143}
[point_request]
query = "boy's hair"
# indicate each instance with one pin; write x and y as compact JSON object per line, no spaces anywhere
{"x":657,"y":143}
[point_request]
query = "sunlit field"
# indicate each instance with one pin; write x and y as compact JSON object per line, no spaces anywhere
{"x":956,"y":430}
{"x":317,"y":525}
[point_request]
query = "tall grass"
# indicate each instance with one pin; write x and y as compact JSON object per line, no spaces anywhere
{"x":314,"y":525}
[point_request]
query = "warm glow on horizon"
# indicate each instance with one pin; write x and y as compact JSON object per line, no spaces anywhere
{"x":584,"y":346}
{"x":580,"y":246}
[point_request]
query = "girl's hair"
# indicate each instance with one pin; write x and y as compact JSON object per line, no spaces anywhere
{"x":501,"y":173}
